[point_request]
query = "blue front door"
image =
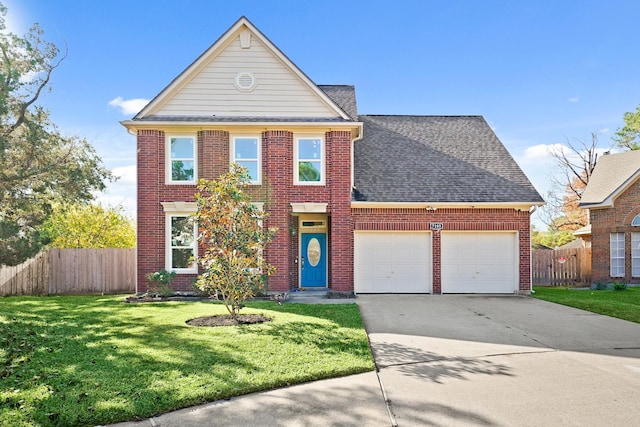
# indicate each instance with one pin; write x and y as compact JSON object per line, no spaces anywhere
{"x":313,"y":260}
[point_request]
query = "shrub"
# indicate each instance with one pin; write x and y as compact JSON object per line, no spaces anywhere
{"x":161,"y":281}
{"x":618,"y":286}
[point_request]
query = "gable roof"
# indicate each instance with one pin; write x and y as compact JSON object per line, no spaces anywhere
{"x":612,"y":175}
{"x":217,"y":85}
{"x":344,"y":96}
{"x":436,"y":159}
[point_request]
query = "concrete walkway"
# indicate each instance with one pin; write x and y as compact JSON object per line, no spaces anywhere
{"x":460,"y":360}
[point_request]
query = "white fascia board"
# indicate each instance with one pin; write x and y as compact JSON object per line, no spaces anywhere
{"x":355,"y":127}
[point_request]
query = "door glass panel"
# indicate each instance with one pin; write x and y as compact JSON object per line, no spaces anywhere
{"x":313,"y":252}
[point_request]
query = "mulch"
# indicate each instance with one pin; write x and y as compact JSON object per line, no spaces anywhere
{"x":228,"y":320}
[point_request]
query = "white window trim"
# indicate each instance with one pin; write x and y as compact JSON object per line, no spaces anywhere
{"x":168,"y":161}
{"x":296,"y":161}
{"x":171,"y":210}
{"x":611,"y":257}
{"x":232,"y":157}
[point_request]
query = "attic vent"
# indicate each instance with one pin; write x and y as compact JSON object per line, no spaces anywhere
{"x":245,"y":82}
{"x":245,"y":40}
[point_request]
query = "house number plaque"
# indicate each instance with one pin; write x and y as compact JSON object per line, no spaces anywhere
{"x":435,"y":226}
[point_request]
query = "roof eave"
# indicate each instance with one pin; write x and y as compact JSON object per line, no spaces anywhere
{"x":135,"y":125}
{"x":447,"y":205}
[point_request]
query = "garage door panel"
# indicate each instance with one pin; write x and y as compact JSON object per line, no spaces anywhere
{"x":479,"y":262}
{"x":392,"y":262}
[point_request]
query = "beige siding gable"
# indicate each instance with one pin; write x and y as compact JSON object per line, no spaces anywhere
{"x":242,"y":75}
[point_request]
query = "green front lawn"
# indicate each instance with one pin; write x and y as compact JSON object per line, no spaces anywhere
{"x":94,"y":360}
{"x":621,"y":304}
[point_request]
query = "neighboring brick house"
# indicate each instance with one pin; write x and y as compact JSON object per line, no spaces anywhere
{"x":363,"y":203}
{"x":613,"y":199}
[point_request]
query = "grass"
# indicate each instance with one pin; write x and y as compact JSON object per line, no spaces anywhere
{"x":621,"y":304}
{"x":68,"y":361}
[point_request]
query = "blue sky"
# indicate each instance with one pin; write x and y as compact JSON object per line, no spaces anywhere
{"x":541,"y":72}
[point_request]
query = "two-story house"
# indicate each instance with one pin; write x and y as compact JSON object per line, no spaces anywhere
{"x":363,"y":203}
{"x":612,"y":197}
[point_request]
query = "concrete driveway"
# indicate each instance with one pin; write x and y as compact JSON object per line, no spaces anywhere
{"x":502,"y":361}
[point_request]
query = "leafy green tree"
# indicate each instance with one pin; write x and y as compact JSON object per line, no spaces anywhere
{"x":628,"y":136}
{"x":552,"y":238}
{"x":38,"y":165}
{"x":232,"y":233}
{"x":89,"y":226}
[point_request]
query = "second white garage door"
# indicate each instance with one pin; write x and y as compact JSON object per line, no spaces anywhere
{"x":479,"y":262}
{"x":392,"y":262}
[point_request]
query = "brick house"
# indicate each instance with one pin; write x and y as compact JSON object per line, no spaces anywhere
{"x":613,"y":200}
{"x":363,"y":203}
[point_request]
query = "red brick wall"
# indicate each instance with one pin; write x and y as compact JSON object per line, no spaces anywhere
{"x":456,"y":220}
{"x":341,"y":232}
{"x":277,"y":191}
{"x":614,"y":220}
{"x":150,"y":228}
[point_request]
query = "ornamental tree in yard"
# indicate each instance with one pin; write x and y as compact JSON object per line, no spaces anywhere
{"x":232,"y":234}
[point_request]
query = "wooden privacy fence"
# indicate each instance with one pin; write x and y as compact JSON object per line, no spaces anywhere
{"x":72,"y":271}
{"x":561,"y":267}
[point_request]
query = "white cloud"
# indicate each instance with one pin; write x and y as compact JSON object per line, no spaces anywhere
{"x":541,"y":152}
{"x":129,"y":106}
{"x":122,"y":192}
{"x":126,"y":174}
{"x":574,"y":99}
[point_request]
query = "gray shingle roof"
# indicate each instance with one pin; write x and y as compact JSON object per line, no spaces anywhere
{"x":344,"y":96}
{"x":436,"y":159}
{"x":611,"y":173}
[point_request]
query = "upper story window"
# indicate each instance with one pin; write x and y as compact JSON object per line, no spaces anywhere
{"x":309,"y":161}
{"x":246,"y":153}
{"x":181,"y":163}
{"x":636,"y":221}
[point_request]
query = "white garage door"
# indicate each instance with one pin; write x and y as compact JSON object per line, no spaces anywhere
{"x":476,"y":262}
{"x":392,"y":262}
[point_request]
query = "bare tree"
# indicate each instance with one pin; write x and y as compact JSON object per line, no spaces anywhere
{"x":576,"y":162}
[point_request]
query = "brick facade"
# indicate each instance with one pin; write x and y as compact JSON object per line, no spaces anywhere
{"x":277,"y":192}
{"x":616,"y":219}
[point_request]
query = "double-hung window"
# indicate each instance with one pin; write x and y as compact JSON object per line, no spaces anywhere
{"x":616,"y":244}
{"x":182,"y":243}
{"x":181,"y":165}
{"x":246,"y":153}
{"x":309,"y":168}
{"x":635,"y":254}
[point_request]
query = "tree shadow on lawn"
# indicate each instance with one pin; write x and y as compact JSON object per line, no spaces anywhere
{"x":73,"y":355}
{"x":343,"y":315}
